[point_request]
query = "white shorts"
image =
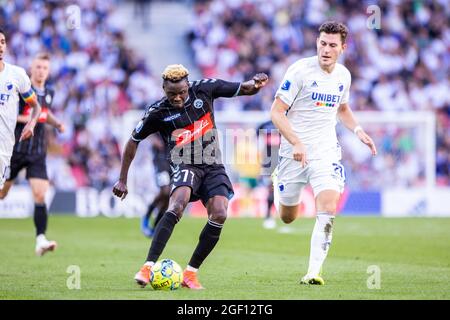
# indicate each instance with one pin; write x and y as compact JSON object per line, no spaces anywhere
{"x":4,"y":169}
{"x":320,"y":174}
{"x":162,"y":179}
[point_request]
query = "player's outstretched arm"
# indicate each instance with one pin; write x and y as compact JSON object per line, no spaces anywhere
{"x":347,"y":117}
{"x":28,"y":130}
{"x":279,"y":119}
{"x":120,"y":188}
{"x":252,"y":87}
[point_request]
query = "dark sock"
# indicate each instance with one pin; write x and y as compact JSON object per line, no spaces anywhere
{"x":159,"y":215}
{"x":270,"y":200}
{"x":158,"y":218}
{"x":150,"y":210}
{"x":40,"y":218}
{"x":207,"y":241}
{"x":269,"y":207}
{"x":162,"y":234}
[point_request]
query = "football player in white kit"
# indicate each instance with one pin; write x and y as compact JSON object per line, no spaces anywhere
{"x":312,"y":95}
{"x":13,"y":81}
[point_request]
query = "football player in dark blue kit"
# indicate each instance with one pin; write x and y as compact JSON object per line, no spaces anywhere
{"x":185,"y":120}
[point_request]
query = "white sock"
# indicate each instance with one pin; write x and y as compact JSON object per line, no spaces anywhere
{"x":41,"y":238}
{"x":276,"y":193}
{"x":276,"y":201}
{"x":189,"y":268}
{"x":149,"y":263}
{"x":320,"y":242}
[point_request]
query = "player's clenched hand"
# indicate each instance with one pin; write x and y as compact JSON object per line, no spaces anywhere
{"x":261,"y":80}
{"x":28,"y":130}
{"x":120,"y":190}
{"x":364,"y":137}
{"x":299,"y":153}
{"x":61,"y":128}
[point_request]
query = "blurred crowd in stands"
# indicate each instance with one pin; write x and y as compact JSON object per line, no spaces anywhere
{"x":96,"y":78}
{"x":402,"y":66}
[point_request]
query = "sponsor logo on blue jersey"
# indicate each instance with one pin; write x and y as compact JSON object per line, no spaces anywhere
{"x":286,"y":85}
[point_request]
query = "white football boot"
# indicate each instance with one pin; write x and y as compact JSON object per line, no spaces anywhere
{"x":43,"y":245}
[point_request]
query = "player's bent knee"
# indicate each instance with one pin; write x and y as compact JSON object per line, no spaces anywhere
{"x":287,"y":218}
{"x":327,"y":201}
{"x":289,"y":208}
{"x":218,"y":216}
{"x":217,"y":210}
{"x":288,"y":214}
{"x":39,"y":197}
{"x":3,"y":194}
{"x":327,"y":207}
{"x":178,"y":207}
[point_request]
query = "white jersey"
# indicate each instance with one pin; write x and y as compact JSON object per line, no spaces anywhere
{"x":313,"y":97}
{"x":13,"y":81}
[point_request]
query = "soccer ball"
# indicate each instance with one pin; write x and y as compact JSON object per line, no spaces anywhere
{"x":166,"y":275}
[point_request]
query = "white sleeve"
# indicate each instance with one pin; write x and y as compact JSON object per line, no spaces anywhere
{"x":348,"y":82}
{"x":24,"y":81}
{"x":290,"y":86}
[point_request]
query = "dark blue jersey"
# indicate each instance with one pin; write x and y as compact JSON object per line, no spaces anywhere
{"x":189,"y":132}
{"x":37,"y":144}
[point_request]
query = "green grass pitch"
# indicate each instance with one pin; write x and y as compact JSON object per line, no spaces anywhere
{"x":413,"y":256}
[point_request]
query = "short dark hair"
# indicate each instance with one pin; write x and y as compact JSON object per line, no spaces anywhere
{"x":3,"y":32}
{"x":334,"y":27}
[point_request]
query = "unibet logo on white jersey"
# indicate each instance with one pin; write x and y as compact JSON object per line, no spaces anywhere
{"x":313,"y":97}
{"x":13,"y":81}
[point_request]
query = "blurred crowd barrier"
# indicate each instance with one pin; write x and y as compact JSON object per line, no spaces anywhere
{"x":96,"y":77}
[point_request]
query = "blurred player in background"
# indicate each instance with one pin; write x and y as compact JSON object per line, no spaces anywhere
{"x":313,"y":93}
{"x":31,"y":154}
{"x":185,"y":119}
{"x":268,"y":142}
{"x":161,"y":201}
